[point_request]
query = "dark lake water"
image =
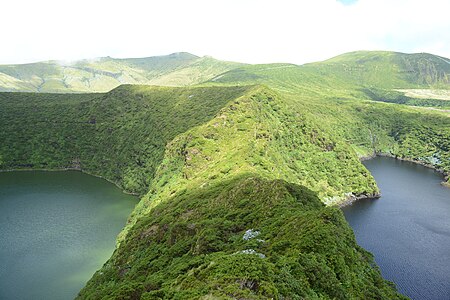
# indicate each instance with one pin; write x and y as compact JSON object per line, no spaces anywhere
{"x":56,"y":230}
{"x":408,"y":228}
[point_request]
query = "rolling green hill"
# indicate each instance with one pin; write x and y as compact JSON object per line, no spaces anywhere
{"x":389,"y":69}
{"x":106,"y":73}
{"x":361,"y":69}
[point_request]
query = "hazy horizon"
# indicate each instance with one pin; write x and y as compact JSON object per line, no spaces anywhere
{"x":93,"y":59}
{"x":243,"y":31}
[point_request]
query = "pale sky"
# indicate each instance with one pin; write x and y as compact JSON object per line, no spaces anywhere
{"x":251,"y":31}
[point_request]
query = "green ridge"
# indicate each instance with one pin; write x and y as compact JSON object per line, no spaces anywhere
{"x":334,"y":98}
{"x":192,"y":246}
{"x":249,"y":132}
{"x":389,"y":69}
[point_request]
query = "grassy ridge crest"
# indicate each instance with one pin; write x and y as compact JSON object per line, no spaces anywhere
{"x":244,"y":237}
{"x":256,"y":133}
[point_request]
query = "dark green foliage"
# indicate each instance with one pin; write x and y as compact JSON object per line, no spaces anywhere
{"x":191,"y":246}
{"x":376,"y":128}
{"x":120,"y":135}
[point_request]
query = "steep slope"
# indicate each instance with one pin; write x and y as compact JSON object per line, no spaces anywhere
{"x":256,"y":133}
{"x":104,"y":74}
{"x":221,"y":161}
{"x":393,"y":77}
{"x":119,"y":135}
{"x":381,"y":76}
{"x":389,"y":70}
{"x":383,"y":70}
{"x":242,"y":238}
{"x":191,"y":236}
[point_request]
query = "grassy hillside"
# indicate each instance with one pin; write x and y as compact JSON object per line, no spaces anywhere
{"x":380,"y":76}
{"x":104,"y":74}
{"x":122,"y":135}
{"x":256,"y":133}
{"x":389,"y":69}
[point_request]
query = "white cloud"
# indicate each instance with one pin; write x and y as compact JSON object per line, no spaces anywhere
{"x":254,"y":31}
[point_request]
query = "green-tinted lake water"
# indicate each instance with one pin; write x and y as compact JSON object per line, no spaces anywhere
{"x":57,"y":229}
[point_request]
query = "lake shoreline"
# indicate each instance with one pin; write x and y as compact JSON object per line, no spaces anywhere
{"x":417,"y":162}
{"x":71,"y":169}
{"x":353,"y":198}
{"x":66,"y":223}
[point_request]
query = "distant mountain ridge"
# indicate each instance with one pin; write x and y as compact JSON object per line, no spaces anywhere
{"x":106,"y":73}
{"x":381,"y":69}
{"x":390,"y":69}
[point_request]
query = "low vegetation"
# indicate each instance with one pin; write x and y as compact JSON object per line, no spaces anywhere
{"x":226,"y":166}
{"x":242,"y":238}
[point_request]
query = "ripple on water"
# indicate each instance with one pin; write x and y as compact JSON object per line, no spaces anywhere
{"x":408,"y":228}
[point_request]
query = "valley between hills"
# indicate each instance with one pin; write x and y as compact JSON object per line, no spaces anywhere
{"x":217,"y":149}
